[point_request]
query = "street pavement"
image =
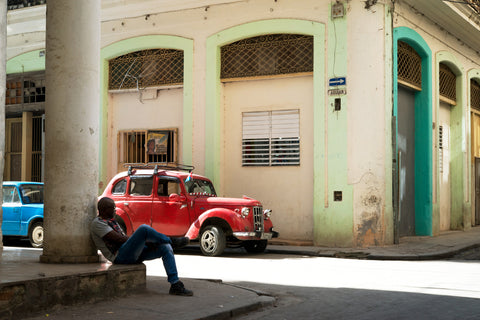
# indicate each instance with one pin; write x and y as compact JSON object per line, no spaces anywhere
{"x":212,"y":298}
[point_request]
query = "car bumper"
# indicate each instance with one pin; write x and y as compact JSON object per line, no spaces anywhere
{"x":255,"y":235}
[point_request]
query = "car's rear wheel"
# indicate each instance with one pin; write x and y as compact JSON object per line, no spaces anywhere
{"x":35,"y":235}
{"x":212,"y":241}
{"x":256,"y":246}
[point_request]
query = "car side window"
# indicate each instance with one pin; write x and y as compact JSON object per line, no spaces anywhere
{"x":31,"y":193}
{"x":173,"y":187}
{"x":10,"y":195}
{"x":141,"y":186}
{"x":120,"y":187}
{"x":167,"y":186}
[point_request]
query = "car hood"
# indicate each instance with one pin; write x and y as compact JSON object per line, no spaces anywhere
{"x":227,"y":202}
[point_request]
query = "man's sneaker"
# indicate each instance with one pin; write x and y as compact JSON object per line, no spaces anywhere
{"x":179,"y":242}
{"x":179,"y":289}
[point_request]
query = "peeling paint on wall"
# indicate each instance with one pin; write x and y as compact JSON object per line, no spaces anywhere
{"x":370,"y":224}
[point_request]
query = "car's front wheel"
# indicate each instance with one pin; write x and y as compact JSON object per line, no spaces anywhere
{"x":212,"y":241}
{"x":35,"y":235}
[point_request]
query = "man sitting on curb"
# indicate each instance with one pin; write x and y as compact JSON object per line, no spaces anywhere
{"x":144,"y":244}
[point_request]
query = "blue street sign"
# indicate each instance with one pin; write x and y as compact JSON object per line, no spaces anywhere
{"x":340,"y":81}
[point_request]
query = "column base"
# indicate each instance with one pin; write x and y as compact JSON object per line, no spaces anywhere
{"x":69,"y":259}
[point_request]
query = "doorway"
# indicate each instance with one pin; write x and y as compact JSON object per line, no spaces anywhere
{"x":406,"y":155}
{"x":444,"y":166}
{"x":477,"y":191}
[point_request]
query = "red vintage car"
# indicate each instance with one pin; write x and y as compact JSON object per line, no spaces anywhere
{"x":178,"y":203}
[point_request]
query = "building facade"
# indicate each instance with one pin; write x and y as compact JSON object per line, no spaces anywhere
{"x":357,"y":122}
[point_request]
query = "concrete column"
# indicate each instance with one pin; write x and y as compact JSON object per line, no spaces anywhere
{"x":3,"y":79}
{"x":72,"y":111}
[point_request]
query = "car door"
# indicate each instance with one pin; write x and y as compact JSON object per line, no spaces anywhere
{"x":12,"y":211}
{"x":170,"y":214}
{"x":138,"y":201}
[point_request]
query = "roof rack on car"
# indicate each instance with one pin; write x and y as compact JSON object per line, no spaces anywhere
{"x":156,"y":166}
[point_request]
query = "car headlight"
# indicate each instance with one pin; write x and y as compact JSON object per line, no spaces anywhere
{"x":267,"y":213}
{"x":245,"y":212}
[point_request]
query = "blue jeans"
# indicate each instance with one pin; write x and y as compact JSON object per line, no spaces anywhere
{"x":148,"y":244}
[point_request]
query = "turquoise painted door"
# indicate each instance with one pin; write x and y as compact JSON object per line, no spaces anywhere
{"x":406,"y":148}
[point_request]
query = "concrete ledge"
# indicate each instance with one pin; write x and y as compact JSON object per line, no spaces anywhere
{"x":62,"y":259}
{"x":21,"y":298}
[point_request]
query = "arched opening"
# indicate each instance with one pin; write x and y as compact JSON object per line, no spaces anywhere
{"x":413,"y":152}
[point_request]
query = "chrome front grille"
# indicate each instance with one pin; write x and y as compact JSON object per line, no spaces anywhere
{"x":258,"y":218}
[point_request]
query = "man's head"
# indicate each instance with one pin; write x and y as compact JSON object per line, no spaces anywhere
{"x":106,"y":208}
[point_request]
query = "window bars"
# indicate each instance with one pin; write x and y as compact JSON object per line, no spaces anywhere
{"x":267,"y":55}
{"x":37,"y":129}
{"x":18,"y":4}
{"x":147,"y":146}
{"x":448,"y":84}
{"x":146,"y":68}
{"x":474,"y":4}
{"x":409,"y":66}
{"x":475,"y":94}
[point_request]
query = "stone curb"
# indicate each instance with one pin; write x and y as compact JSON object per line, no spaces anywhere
{"x":345,"y":254}
{"x":264,"y":301}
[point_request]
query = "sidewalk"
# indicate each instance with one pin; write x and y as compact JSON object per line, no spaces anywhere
{"x":211,"y":300}
{"x":442,"y":246}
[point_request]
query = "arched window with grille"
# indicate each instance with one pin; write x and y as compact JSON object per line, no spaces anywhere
{"x":475,"y":94}
{"x":448,"y":85}
{"x":267,"y":55}
{"x":146,"y":68}
{"x":409,"y":66}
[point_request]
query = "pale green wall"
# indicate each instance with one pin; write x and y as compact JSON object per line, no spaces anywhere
{"x":333,"y":220}
{"x":458,"y":143}
{"x":143,"y":43}
{"x":389,"y":210}
{"x":26,"y":62}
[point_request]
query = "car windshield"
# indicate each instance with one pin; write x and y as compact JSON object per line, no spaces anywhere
{"x":32,"y":193}
{"x":200,"y":187}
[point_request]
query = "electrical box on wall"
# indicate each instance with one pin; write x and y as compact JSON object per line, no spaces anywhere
{"x":337,"y":10}
{"x":337,"y":195}
{"x":338,"y":104}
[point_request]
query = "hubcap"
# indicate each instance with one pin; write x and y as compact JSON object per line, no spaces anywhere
{"x":37,"y":235}
{"x":209,"y":241}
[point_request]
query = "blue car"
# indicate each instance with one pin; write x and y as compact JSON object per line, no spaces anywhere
{"x":23,"y":211}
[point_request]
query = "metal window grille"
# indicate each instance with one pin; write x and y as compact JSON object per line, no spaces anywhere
{"x":14,"y":150}
{"x":474,"y":4}
{"x":475,"y":94}
{"x":133,"y":147}
{"x":18,"y":4}
{"x":37,"y":149}
{"x":16,"y":137}
{"x":448,"y":84}
{"x":409,"y":66}
{"x":25,"y":88}
{"x":271,"y":138}
{"x":267,"y":55}
{"x":147,"y":68}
